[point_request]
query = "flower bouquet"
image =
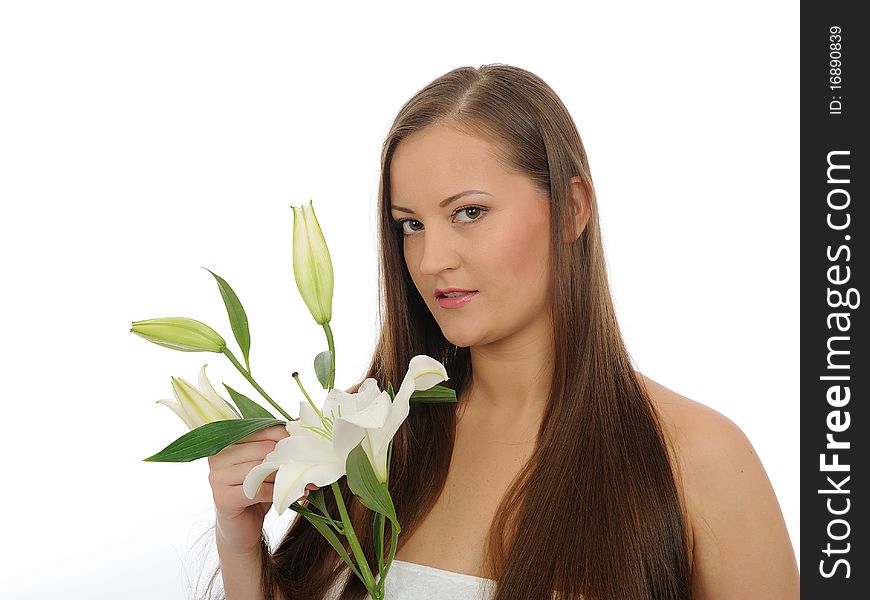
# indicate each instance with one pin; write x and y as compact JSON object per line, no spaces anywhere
{"x":350,"y":435}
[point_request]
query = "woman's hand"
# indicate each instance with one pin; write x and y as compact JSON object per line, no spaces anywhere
{"x":239,"y":520}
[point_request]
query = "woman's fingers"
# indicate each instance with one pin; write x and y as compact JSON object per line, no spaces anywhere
{"x":234,"y":474}
{"x":229,"y":467}
{"x":255,"y":446}
{"x":240,"y":519}
{"x":270,"y":434}
{"x":241,"y":452}
{"x":231,"y":499}
{"x":275,"y":433}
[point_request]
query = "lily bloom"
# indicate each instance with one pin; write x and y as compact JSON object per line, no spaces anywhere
{"x":320,"y":440}
{"x":423,"y":373}
{"x":316,"y":451}
{"x":198,"y":406}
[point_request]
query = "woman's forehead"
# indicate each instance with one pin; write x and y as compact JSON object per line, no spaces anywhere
{"x":436,"y":164}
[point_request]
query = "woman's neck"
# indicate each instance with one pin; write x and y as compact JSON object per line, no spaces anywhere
{"x":509,"y":383}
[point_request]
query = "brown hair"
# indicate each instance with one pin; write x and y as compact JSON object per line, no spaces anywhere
{"x":596,"y":511}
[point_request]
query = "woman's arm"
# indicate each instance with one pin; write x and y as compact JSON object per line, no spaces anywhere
{"x":241,"y":571}
{"x":741,"y":545}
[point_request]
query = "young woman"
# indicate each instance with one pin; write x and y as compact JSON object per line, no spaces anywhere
{"x":560,"y":468}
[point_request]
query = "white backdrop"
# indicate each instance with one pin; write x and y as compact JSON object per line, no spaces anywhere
{"x":140,"y":142}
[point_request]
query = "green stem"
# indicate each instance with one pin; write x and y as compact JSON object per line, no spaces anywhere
{"x":338,"y":528}
{"x":394,"y":540}
{"x":380,"y":550}
{"x":363,"y":563}
{"x":394,"y":533}
{"x":247,"y":374}
{"x":328,"y":330}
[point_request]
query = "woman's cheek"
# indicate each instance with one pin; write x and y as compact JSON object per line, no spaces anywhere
{"x":519,"y":249}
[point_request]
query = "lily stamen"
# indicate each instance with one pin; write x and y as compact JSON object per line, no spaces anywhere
{"x":319,"y":431}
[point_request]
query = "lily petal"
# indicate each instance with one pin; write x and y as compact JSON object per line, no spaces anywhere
{"x":176,"y":408}
{"x":307,"y":414}
{"x":289,"y":485}
{"x":291,"y":481}
{"x":345,"y":437}
{"x":377,"y":451}
{"x":195,"y":405}
{"x":423,"y":373}
{"x":369,"y":392}
{"x":334,"y":399}
{"x":368,"y":448}
{"x":307,"y":450}
{"x":220,"y":405}
{"x":339,"y":402}
{"x":281,"y":454}
{"x":374,"y":415}
{"x":426,"y":372}
{"x":308,"y":417}
{"x":255,"y":477}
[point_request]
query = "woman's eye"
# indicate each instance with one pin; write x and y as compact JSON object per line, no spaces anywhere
{"x":474,"y":212}
{"x":402,"y":224}
{"x":470,"y":208}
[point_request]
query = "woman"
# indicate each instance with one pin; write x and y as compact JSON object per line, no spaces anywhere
{"x":560,"y":467}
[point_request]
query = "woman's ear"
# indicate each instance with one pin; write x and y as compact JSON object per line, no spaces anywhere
{"x":581,"y":207}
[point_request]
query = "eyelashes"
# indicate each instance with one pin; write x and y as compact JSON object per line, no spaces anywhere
{"x":400,"y":224}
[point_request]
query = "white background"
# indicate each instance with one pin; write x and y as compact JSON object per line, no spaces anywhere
{"x":142,"y":141}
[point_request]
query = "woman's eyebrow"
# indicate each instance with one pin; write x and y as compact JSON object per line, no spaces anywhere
{"x":444,"y":202}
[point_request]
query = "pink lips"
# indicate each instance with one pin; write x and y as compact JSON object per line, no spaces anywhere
{"x":456,"y":302}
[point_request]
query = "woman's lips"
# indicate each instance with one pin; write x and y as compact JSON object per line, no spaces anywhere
{"x":457,"y":301}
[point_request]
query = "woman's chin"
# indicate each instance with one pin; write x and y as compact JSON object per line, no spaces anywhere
{"x":460,"y":339}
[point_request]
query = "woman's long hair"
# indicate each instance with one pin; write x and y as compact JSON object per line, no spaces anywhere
{"x":596,"y":512}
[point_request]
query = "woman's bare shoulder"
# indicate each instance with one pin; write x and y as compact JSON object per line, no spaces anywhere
{"x":694,"y":428}
{"x":710,"y":448}
{"x":741,"y":546}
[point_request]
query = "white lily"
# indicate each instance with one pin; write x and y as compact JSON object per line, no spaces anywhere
{"x":316,"y":451}
{"x":423,"y":373}
{"x":198,"y":406}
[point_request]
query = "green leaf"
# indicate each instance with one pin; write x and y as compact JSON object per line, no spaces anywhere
{"x":391,"y":392}
{"x":211,"y":438}
{"x":316,"y":498}
{"x":323,"y":367}
{"x":238,"y":318}
{"x":364,"y":484}
{"x":322,"y":525}
{"x":249,"y":408}
{"x":437,"y":393}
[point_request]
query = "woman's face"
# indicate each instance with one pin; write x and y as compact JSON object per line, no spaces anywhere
{"x":494,"y":240}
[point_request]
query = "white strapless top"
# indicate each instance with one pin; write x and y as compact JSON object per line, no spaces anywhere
{"x":412,"y":581}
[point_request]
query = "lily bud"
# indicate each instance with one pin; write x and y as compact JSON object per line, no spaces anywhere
{"x":198,"y":406}
{"x":312,"y":264}
{"x":180,"y":333}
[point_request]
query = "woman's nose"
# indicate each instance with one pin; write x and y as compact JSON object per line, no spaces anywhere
{"x":439,"y":251}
